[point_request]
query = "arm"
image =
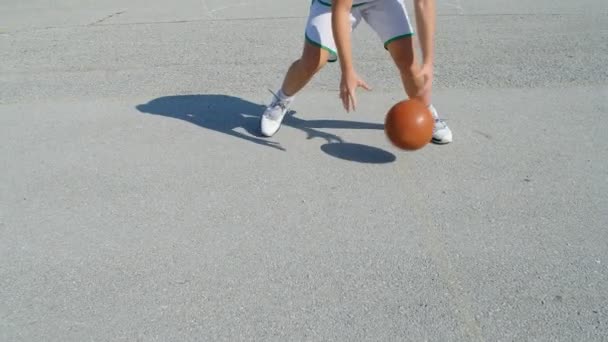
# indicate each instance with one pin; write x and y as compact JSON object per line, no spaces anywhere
{"x":425,"y":22}
{"x":340,"y":24}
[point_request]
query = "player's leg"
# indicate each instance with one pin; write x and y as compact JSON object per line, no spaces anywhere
{"x":390,"y":20}
{"x":319,"y":48}
{"x":298,"y":75}
{"x":302,"y":70}
{"x":402,"y":52}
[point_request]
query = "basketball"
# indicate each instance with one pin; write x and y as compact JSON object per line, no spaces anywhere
{"x":409,"y":125}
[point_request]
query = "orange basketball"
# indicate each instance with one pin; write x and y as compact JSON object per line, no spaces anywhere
{"x":409,"y":125}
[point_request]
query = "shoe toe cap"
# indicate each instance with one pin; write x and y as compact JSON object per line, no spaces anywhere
{"x":269,"y":127}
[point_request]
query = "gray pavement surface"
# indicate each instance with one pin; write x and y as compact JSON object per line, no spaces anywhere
{"x":138,"y":203}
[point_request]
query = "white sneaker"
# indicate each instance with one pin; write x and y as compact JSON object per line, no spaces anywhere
{"x":441,"y":132}
{"x":273,"y":116}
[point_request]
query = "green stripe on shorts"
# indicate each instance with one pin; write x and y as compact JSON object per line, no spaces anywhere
{"x":397,"y":37}
{"x":331,"y":52}
{"x":329,"y":5}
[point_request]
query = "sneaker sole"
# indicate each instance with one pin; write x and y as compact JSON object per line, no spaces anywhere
{"x":439,"y":142}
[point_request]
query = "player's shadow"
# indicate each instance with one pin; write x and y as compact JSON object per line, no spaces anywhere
{"x":240,"y":118}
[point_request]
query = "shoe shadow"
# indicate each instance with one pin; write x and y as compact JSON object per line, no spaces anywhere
{"x":240,"y":118}
{"x":220,"y":113}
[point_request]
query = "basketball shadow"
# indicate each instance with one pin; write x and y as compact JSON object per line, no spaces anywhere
{"x":358,"y":153}
{"x":240,"y":118}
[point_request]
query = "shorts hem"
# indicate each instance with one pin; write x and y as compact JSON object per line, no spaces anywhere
{"x":332,"y":54}
{"x":397,"y":38}
{"x":329,"y":5}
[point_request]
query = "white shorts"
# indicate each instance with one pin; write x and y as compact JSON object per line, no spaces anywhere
{"x":388,"y":18}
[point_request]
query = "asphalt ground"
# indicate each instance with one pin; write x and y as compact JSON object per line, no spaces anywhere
{"x":138,"y":201}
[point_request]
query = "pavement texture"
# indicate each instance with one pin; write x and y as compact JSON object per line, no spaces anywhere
{"x":139,"y":203}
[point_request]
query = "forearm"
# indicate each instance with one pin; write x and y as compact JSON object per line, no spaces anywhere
{"x":340,"y":23}
{"x":425,"y":22}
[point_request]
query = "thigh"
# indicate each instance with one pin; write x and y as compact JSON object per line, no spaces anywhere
{"x":314,"y":56}
{"x":389,"y":19}
{"x":403,"y":53}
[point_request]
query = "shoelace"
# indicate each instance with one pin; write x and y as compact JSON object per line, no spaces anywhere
{"x":439,"y":124}
{"x":276,"y":102}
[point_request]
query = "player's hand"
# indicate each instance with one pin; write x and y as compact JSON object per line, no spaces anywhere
{"x":348,"y":85}
{"x":426,"y":76}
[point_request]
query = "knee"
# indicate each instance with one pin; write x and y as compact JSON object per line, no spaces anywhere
{"x":407,"y":68}
{"x":311,"y":64}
